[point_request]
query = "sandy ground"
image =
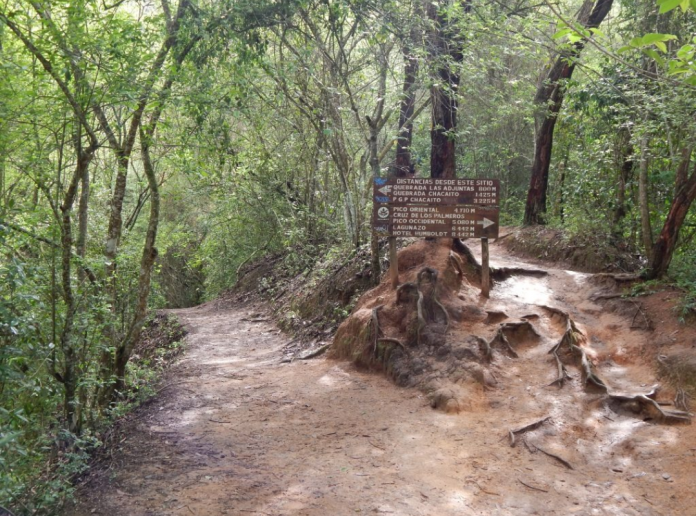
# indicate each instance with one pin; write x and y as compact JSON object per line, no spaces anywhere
{"x":236,"y":432}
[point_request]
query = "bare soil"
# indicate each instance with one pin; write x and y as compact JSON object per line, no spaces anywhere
{"x":236,"y":431}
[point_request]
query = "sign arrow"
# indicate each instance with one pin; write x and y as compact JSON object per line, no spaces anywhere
{"x":485,"y":222}
{"x":386,"y":190}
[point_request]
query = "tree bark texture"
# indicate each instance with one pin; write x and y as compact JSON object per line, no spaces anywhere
{"x":445,"y":50}
{"x":643,"y":198}
{"x":403,"y":166}
{"x":666,"y":243}
{"x":625,"y":165}
{"x":549,"y":98}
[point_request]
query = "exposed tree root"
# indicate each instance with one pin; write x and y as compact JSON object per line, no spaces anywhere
{"x":396,"y":342}
{"x":653,"y":409}
{"x":427,"y":300}
{"x":526,"y":428}
{"x":570,"y":339}
{"x":487,"y":350}
{"x":376,"y":330}
{"x":681,"y":400}
{"x":500,"y":337}
{"x":643,"y":402}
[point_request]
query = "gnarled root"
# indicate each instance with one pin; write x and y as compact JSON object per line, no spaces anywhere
{"x":571,"y":339}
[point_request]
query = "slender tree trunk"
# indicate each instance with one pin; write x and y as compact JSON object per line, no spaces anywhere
{"x":403,"y":166}
{"x":147,"y":261}
{"x":643,"y":198}
{"x":549,"y":99}
{"x":669,"y":236}
{"x":625,"y":169}
{"x":70,"y":371}
{"x":81,"y":243}
{"x":375,"y":125}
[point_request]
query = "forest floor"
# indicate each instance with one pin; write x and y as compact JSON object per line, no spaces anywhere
{"x":236,"y":431}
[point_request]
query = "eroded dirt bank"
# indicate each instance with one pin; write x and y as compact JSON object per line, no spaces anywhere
{"x":237,"y":432}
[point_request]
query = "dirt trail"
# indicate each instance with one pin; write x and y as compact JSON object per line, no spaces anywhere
{"x":238,"y":432}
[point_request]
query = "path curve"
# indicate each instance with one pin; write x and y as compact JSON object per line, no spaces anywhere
{"x":237,"y":432}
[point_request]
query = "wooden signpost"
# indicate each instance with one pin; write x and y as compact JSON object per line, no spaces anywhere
{"x":437,"y":208}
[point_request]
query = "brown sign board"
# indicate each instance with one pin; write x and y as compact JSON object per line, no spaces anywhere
{"x":448,"y":221}
{"x":398,"y":190}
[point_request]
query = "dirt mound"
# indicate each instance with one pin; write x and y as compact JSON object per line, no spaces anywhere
{"x":434,"y":333}
{"x":588,"y":252}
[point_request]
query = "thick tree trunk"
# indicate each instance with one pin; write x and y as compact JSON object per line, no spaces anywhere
{"x":549,"y":99}
{"x":669,"y":236}
{"x":445,"y":49}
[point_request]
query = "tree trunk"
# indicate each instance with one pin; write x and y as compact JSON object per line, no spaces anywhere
{"x":669,"y":236}
{"x":445,"y":50}
{"x":403,"y":166}
{"x":549,"y":99}
{"x":69,"y":376}
{"x":375,"y":125}
{"x":625,"y":167}
{"x":125,"y":348}
{"x":643,"y":201}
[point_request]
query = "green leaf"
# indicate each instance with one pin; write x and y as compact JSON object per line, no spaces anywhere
{"x":636,"y":42}
{"x":574,"y":37}
{"x":686,"y":52}
{"x":599,"y":33}
{"x":624,"y":49}
{"x":657,"y":57}
{"x":668,"y":5}
{"x":652,"y":37}
{"x":564,"y":32}
{"x":693,"y":4}
{"x":661,"y":46}
{"x":684,"y":5}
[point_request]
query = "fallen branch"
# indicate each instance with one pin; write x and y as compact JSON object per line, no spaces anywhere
{"x":314,"y":353}
{"x":525,"y":429}
{"x":503,"y":273}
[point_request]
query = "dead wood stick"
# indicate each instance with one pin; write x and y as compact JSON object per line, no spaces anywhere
{"x":484,"y":490}
{"x":503,"y":273}
{"x":526,"y":428}
{"x":532,"y":487}
{"x":554,"y":456}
